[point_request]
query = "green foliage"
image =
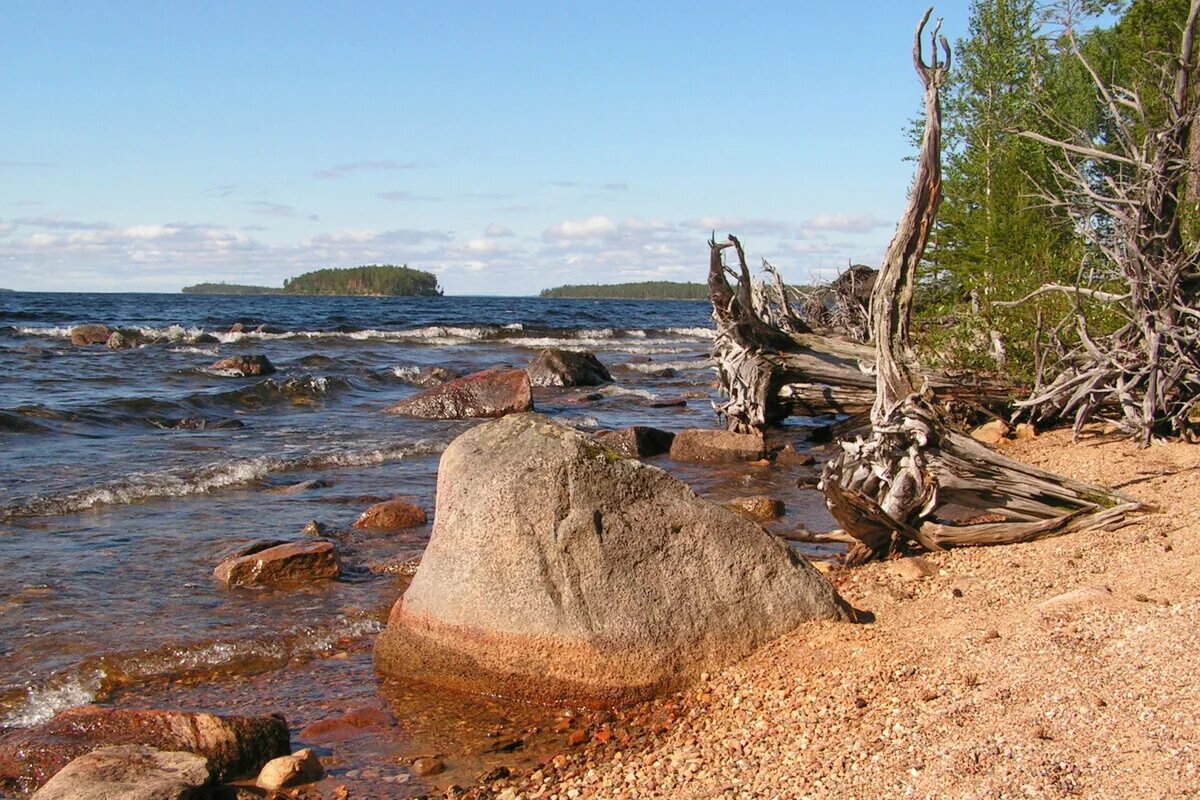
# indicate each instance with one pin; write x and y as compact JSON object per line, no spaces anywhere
{"x":229,"y":288}
{"x":997,"y":238}
{"x":648,"y":290}
{"x":375,"y":279}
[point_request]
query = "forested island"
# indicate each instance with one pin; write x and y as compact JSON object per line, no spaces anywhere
{"x":376,"y":280}
{"x":646,"y":290}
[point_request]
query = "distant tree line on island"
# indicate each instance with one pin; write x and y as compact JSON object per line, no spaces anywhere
{"x":372,"y":280}
{"x":647,"y":290}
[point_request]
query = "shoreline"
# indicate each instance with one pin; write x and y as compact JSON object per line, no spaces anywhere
{"x":1057,"y":668}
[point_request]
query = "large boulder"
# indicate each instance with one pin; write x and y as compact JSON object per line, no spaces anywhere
{"x":92,"y":333}
{"x":710,"y":445}
{"x":244,"y":366}
{"x":233,"y":745}
{"x":288,"y":562}
{"x":128,"y":772}
{"x":555,"y":367}
{"x":491,"y":393}
{"x":558,"y":572}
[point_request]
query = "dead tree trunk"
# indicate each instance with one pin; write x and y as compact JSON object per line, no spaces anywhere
{"x":914,"y":482}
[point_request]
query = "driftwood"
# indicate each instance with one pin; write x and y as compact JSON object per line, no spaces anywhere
{"x":1144,"y":378}
{"x":915,"y":483}
{"x":773,"y":364}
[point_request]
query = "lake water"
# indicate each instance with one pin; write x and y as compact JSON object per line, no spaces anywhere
{"x":112,"y":517}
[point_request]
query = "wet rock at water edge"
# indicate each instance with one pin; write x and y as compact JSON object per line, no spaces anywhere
{"x":291,"y":562}
{"x":129,"y":772}
{"x":296,"y":769}
{"x":244,"y":366}
{"x":125,"y":339}
{"x":709,"y":445}
{"x":233,"y":745}
{"x":352,"y":724}
{"x":556,"y":367}
{"x":490,"y":393}
{"x":204,"y":338}
{"x":391,"y":515}
{"x":558,"y":573}
{"x":433,"y":376}
{"x":638,"y":441}
{"x":302,"y":486}
{"x":92,"y":333}
{"x":758,"y":507}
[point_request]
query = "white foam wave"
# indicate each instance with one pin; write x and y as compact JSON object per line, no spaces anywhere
{"x":698,"y":333}
{"x":41,"y":703}
{"x":141,"y":486}
{"x":678,"y":366}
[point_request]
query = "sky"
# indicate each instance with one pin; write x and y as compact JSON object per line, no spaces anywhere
{"x":506,"y":147}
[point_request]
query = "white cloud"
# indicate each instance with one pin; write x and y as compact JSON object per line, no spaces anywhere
{"x":342,"y":170}
{"x":497,"y":231}
{"x":844,"y":223}
{"x":740,"y":226}
{"x":596,"y":227}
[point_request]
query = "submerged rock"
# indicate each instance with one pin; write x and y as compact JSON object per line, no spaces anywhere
{"x":125,"y":339}
{"x":291,"y":562}
{"x":559,"y":573}
{"x":128,"y":772}
{"x":391,"y":515}
{"x":233,"y":745}
{"x":433,"y":376}
{"x":246,"y":366}
{"x":555,"y":367}
{"x":83,"y":335}
{"x":490,"y":393}
{"x":638,"y":441}
{"x":711,"y":445}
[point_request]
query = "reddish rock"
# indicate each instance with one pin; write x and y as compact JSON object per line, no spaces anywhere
{"x":576,"y":738}
{"x":427,"y":766}
{"x":639,"y":441}
{"x":758,"y":507}
{"x":245,"y":366}
{"x":712,"y":446}
{"x":555,"y":367}
{"x":391,"y":515}
{"x":292,"y":562}
{"x":992,"y":433}
{"x":234,"y":745}
{"x":350,"y":725}
{"x":83,"y":335}
{"x":491,"y":393}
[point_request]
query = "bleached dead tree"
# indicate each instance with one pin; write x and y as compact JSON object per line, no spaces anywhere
{"x":915,"y":483}
{"x":1124,"y":195}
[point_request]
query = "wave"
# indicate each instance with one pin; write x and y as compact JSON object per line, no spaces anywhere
{"x":679,"y":366}
{"x":95,"y":678}
{"x":180,"y":482}
{"x":448,"y":334}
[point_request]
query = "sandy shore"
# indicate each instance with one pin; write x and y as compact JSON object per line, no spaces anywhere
{"x":1062,"y":668}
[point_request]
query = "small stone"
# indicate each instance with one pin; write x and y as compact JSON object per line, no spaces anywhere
{"x":494,"y":774}
{"x":789,"y":456}
{"x":391,"y":515}
{"x":1024,"y":432}
{"x":955,"y":591}
{"x":313,"y":528}
{"x":244,"y":366}
{"x":991,"y":636}
{"x":758,"y":507}
{"x":992,"y":432}
{"x":299,"y":768}
{"x":427,"y":765}
{"x":576,"y":738}
{"x":911,"y":569}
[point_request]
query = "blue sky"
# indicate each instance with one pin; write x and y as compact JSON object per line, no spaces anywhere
{"x":505,"y":146}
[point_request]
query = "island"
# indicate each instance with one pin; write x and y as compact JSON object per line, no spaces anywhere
{"x":373,"y":280}
{"x":646,"y":290}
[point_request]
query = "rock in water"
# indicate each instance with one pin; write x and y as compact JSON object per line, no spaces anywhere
{"x":128,"y":772}
{"x":246,"y":366}
{"x":554,"y":367}
{"x":491,"y":393}
{"x":233,"y":745}
{"x":391,"y":515}
{"x":558,"y":572}
{"x":291,"y":562}
{"x":758,"y":507}
{"x":638,"y":441}
{"x":83,"y":335}
{"x":711,"y":445}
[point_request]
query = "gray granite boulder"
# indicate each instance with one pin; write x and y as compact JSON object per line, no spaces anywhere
{"x":558,"y":571}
